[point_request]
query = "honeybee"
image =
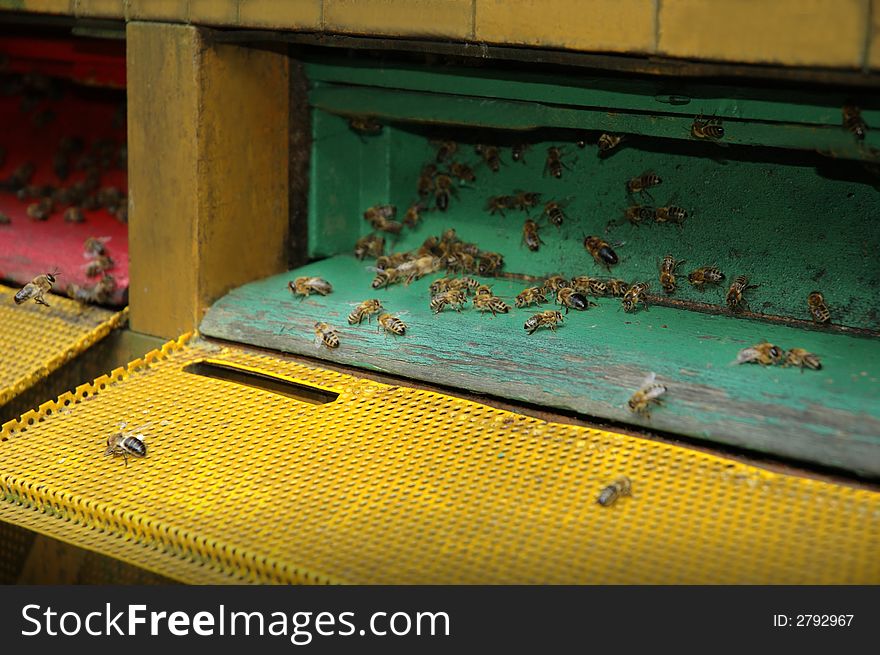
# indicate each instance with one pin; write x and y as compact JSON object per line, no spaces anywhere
{"x":40,"y":211}
{"x":497,"y":204}
{"x":571,"y":299}
{"x":364,"y":310}
{"x":705,"y":275}
{"x":763,"y":353}
{"x":462,"y":172}
{"x":607,"y":143}
{"x":553,"y":210}
{"x":445,"y":149}
{"x":620,"y":487}
{"x":414,"y":214}
{"x":490,"y":157}
{"x":489,"y":263}
{"x":121,"y":213}
{"x":525,"y":199}
{"x":426,"y":180}
{"x":643,"y":182}
{"x":384,"y":277}
{"x":33,"y":191}
{"x":667,"y":273}
{"x":853,"y":121}
{"x":100,"y":264}
{"x":518,"y":152}
{"x":443,"y":189}
{"x":417,"y":268}
{"x":530,"y":296}
{"x":616,"y":287}
{"x":547,"y":319}
{"x":391,"y":260}
{"x":109,"y":197}
{"x":95,"y":246}
{"x":36,"y":288}
{"x":463,"y":284}
{"x":802,"y":358}
{"x":818,"y":309}
{"x":649,"y":392}
{"x":126,"y":443}
{"x":589,"y":285}
{"x":392,"y":324}
{"x":99,"y":293}
{"x":734,"y":298}
{"x":483,"y":290}
{"x":454,"y":298}
{"x":554,"y":283}
{"x":371,"y":245}
{"x":4,"y":219}
{"x":670,"y":214}
{"x":304,"y":286}
{"x":530,"y":235}
{"x":636,"y":214}
{"x":707,"y":128}
{"x":487,"y":302}
{"x":74,"y":215}
{"x":21,"y":176}
{"x":324,"y":334}
{"x":601,"y":251}
{"x":636,"y":294}
{"x":554,"y":163}
{"x":365,"y":125}
{"x":380,"y":217}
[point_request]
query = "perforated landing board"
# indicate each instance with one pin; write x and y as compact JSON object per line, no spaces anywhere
{"x":37,"y":340}
{"x":387,"y":484}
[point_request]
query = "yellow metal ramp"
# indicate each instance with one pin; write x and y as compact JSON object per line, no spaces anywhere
{"x":38,"y":340}
{"x":388,"y":484}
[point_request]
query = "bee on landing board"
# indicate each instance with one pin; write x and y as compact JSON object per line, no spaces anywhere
{"x":497,"y":204}
{"x":548,"y":319}
{"x":554,"y":283}
{"x":734,"y":299}
{"x":445,"y":150}
{"x":554,"y":163}
{"x":444,"y":189}
{"x":486,"y":302}
{"x":803,"y":359}
{"x":670,"y":214}
{"x":124,"y":443}
{"x":74,"y":215}
{"x":764,"y":353}
{"x":553,"y":210}
{"x":853,"y":121}
{"x":642,"y":183}
{"x":364,"y":310}
{"x":41,"y":210}
{"x":585,"y":284}
{"x":326,"y":335}
{"x":620,"y":487}
{"x":636,"y":294}
{"x":381,"y":218}
{"x":705,"y":275}
{"x":413,"y":215}
{"x":525,"y":200}
{"x":707,"y":128}
{"x":530,"y":235}
{"x":601,"y":251}
{"x":36,"y":288}
{"x":638,"y":214}
{"x":371,"y":245}
{"x":365,"y":125}
{"x":454,"y":298}
{"x":462,"y":172}
{"x":818,"y":309}
{"x":518,"y":152}
{"x":305,"y":286}
{"x":607,"y":143}
{"x":490,"y":156}
{"x":571,"y":299}
{"x":648,"y":393}
{"x":530,"y":296}
{"x":392,"y":324}
{"x":426,"y":180}
{"x":667,"y":273}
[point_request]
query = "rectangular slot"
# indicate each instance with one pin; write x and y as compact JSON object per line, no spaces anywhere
{"x":302,"y":392}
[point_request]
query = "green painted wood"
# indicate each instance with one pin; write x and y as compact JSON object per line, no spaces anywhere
{"x":592,"y":364}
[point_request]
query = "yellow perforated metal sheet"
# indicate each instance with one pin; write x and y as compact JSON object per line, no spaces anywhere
{"x":395,"y":485}
{"x":37,"y":340}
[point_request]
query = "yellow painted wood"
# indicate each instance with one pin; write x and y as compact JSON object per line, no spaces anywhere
{"x":792,"y":32}
{"x":281,"y":14}
{"x":100,"y":8}
{"x":873,"y":54}
{"x":446,"y":18}
{"x":208,"y":134}
{"x":599,"y":25}
{"x":213,"y":12}
{"x":39,"y":6}
{"x":170,"y":10}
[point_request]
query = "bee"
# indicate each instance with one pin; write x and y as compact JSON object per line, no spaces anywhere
{"x":365,"y":125}
{"x":636,"y":214}
{"x":384,"y":277}
{"x":33,"y":191}
{"x":530,"y":296}
{"x":670,"y":214}
{"x":4,"y":219}
{"x":371,"y":245}
{"x":554,"y":283}
{"x":649,"y":392}
{"x":99,"y":293}
{"x":414,"y":214}
{"x":667,"y":273}
{"x":707,"y":128}
{"x":125,"y":444}
{"x":304,"y":286}
{"x":601,"y":251}
{"x":497,"y":204}
{"x":489,"y":263}
{"x":570,"y":299}
{"x":40,"y":211}
{"x":463,"y":284}
{"x":530,"y":235}
{"x":554,"y":163}
{"x":734,"y":298}
{"x":462,"y":172}
{"x":74,"y":215}
{"x":95,"y":246}
{"x":391,"y":260}
{"x":487,"y":302}
{"x":802,"y":358}
{"x":553,"y":210}
{"x":445,"y":149}
{"x":547,"y":319}
{"x":763,"y":353}
{"x":616,"y":287}
{"x":392,"y":324}
{"x":454,"y":298}
{"x":21,"y":176}
{"x":426,"y":180}
{"x":636,"y":294}
{"x":364,"y":310}
{"x":121,"y":213}
{"x":818,"y":308}
{"x":518,"y":152}
{"x":324,"y":334}
{"x":589,"y":285}
{"x":643,"y":182}
{"x":490,"y":157}
{"x":525,"y":199}
{"x":607,"y":143}
{"x":620,"y":487}
{"x":443,"y":188}
{"x":705,"y":275}
{"x":853,"y":121}
{"x":418,"y":268}
{"x":100,"y":264}
{"x":381,"y":218}
{"x":109,"y":197}
{"x":483,"y":290}
{"x":36,"y":288}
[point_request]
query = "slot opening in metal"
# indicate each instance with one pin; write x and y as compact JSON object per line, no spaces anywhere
{"x":262,"y":381}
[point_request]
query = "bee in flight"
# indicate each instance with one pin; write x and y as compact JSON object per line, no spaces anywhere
{"x":126,"y":443}
{"x":803,"y":359}
{"x":764,"y":353}
{"x":325,"y":334}
{"x":707,"y":128}
{"x":364,"y":310}
{"x":547,"y":319}
{"x":304,"y":286}
{"x":818,"y":309}
{"x":648,"y":393}
{"x":36,"y":288}
{"x":620,"y":487}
